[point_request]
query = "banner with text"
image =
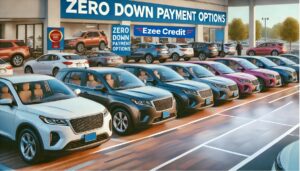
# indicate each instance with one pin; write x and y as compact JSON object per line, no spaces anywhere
{"x":139,"y":11}
{"x":121,"y":40}
{"x":165,"y":31}
{"x":55,"y":38}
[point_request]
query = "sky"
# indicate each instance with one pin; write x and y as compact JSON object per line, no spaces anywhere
{"x":276,"y":13}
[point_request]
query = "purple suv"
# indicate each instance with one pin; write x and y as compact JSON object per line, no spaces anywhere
{"x":247,"y":83}
{"x":266,"y":78}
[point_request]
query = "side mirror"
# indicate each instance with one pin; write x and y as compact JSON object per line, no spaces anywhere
{"x":101,"y":88}
{"x":6,"y":102}
{"x":77,"y":91}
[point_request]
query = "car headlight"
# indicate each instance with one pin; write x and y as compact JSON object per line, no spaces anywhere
{"x":191,"y":92}
{"x":244,"y":81}
{"x":54,"y":121}
{"x":219,"y":85}
{"x":142,"y":102}
{"x":105,"y":112}
{"x":270,"y":75}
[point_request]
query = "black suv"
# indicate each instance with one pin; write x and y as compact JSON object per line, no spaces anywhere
{"x":205,"y":50}
{"x":188,"y":94}
{"x":130,"y":101}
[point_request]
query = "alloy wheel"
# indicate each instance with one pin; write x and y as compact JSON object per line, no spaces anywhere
{"x":28,"y":146}
{"x":149,"y":59}
{"x":80,"y":47}
{"x":17,"y":60}
{"x":202,"y":57}
{"x":120,"y":122}
{"x":175,"y":57}
{"x":28,"y":70}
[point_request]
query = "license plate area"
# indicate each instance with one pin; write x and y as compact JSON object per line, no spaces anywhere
{"x":165,"y":115}
{"x":90,"y":137}
{"x":207,"y":101}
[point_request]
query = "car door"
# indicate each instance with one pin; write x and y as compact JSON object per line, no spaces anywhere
{"x":40,"y":64}
{"x":73,"y":79}
{"x":49,"y":63}
{"x":90,"y":39}
{"x":5,"y":49}
{"x":261,"y":49}
{"x":91,"y":88}
{"x":7,"y":113}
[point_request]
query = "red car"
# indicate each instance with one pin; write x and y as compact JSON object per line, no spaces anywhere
{"x":87,"y":40}
{"x":273,"y":49}
{"x":247,"y":83}
{"x":14,"y":51}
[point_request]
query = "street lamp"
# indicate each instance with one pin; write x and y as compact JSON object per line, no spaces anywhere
{"x":265,"y":19}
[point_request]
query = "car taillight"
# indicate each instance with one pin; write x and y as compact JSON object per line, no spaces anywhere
{"x":68,"y":63}
{"x":157,"y":49}
{"x":183,"y":49}
{"x":9,"y":67}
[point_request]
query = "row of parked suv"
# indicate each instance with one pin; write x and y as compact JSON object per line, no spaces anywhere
{"x":50,"y":114}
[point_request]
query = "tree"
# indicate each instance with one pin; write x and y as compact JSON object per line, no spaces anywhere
{"x":259,"y":29}
{"x":237,"y":30}
{"x":275,"y":32}
{"x":290,"y":30}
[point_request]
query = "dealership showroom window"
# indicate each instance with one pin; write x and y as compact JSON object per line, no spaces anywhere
{"x":148,"y":85}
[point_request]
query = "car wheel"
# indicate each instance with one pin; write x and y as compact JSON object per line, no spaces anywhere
{"x":162,"y":60}
{"x":102,"y":46}
{"x":125,"y":59}
{"x":137,"y":60}
{"x":30,"y":147}
{"x":17,"y":60}
{"x":202,"y":57}
{"x":80,"y":47}
{"x":251,"y":53}
{"x":175,"y":57}
{"x":28,"y":70}
{"x":149,"y":59}
{"x":222,"y":54}
{"x":187,"y":59}
{"x":262,"y":85}
{"x":99,"y":65}
{"x":274,"y":53}
{"x":55,"y":71}
{"x":122,"y":123}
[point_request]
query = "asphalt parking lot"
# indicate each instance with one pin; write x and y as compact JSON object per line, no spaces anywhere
{"x":245,"y":134}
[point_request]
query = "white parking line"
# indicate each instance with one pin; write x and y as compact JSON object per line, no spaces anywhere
{"x":192,"y":122}
{"x":247,"y":160}
{"x":203,"y":144}
{"x":282,"y":97}
{"x":281,"y":107}
{"x":226,"y":151}
{"x":81,"y":166}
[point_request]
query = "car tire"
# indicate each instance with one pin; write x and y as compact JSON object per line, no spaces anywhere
{"x":80,"y":48}
{"x":99,"y":65}
{"x":30,"y":147}
{"x":125,"y":59}
{"x":187,"y":59}
{"x":251,"y":53}
{"x":202,"y":56}
{"x":102,"y":46}
{"x":28,"y":70}
{"x":137,"y":60}
{"x":274,"y":53}
{"x":17,"y":60}
{"x":55,"y":71}
{"x":121,"y":122}
{"x":149,"y":59}
{"x":175,"y":57}
{"x":162,"y":60}
{"x":262,"y":84}
{"x":222,"y":54}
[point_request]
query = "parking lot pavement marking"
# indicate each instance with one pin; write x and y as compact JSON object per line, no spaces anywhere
{"x":195,"y":121}
{"x":277,"y":123}
{"x":247,"y":160}
{"x":283,"y":97}
{"x":226,"y":151}
{"x":216,"y":138}
{"x":118,"y":140}
{"x":81,"y":166}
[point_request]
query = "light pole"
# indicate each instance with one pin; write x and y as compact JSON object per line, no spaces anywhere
{"x":265,"y":19}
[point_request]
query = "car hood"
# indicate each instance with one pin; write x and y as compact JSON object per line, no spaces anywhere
{"x":188,"y":84}
{"x":241,"y":76}
{"x":289,"y":157}
{"x":218,"y":80}
{"x":283,"y":68}
{"x":67,"y":109}
{"x":146,"y":93}
{"x":265,"y":71}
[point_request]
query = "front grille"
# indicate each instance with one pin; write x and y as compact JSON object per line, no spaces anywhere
{"x":205,"y":93}
{"x":255,"y":82}
{"x":294,"y":74}
{"x":163,"y":104}
{"x":82,"y":143}
{"x":233,"y":87}
{"x":87,"y":123}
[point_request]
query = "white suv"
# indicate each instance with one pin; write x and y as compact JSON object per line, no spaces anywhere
{"x":180,"y":50}
{"x":41,"y":114}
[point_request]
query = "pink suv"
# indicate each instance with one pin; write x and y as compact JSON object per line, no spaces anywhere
{"x":273,"y":49}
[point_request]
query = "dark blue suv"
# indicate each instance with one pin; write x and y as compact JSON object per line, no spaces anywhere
{"x":148,"y":52}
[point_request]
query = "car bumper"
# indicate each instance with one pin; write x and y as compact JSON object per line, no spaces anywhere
{"x":228,"y":95}
{"x":273,"y":82}
{"x":71,"y":141}
{"x":187,"y":55}
{"x":248,"y":88}
{"x":163,"y":56}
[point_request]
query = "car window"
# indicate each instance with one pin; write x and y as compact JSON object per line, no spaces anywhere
{"x":73,"y":78}
{"x":92,"y":81}
{"x":43,"y":58}
{"x":90,"y":34}
{"x":143,"y":75}
{"x":209,"y":68}
{"x":6,"y":45}
{"x":166,"y":74}
{"x":181,"y":71}
{"x":96,"y":34}
{"x":5,"y":92}
{"x":122,"y":80}
{"x":72,"y":57}
{"x":131,"y":70}
{"x":233,"y":65}
{"x":20,"y":43}
{"x":53,"y":58}
{"x":221,"y":68}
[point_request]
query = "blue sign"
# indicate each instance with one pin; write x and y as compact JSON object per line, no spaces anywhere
{"x":219,"y":35}
{"x":161,"y":31}
{"x":55,"y":38}
{"x":125,"y":10}
{"x":121,"y":40}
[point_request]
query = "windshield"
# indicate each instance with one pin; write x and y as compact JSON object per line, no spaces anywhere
{"x":185,"y":46}
{"x":165,"y":74}
{"x":161,"y":46}
{"x":43,"y":91}
{"x":268,"y":62}
{"x":105,"y":54}
{"x":72,"y":57}
{"x":221,"y":68}
{"x":200,"y":71}
{"x":247,"y":65}
{"x":122,"y":80}
{"x":287,"y":61}
{"x":79,"y":34}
